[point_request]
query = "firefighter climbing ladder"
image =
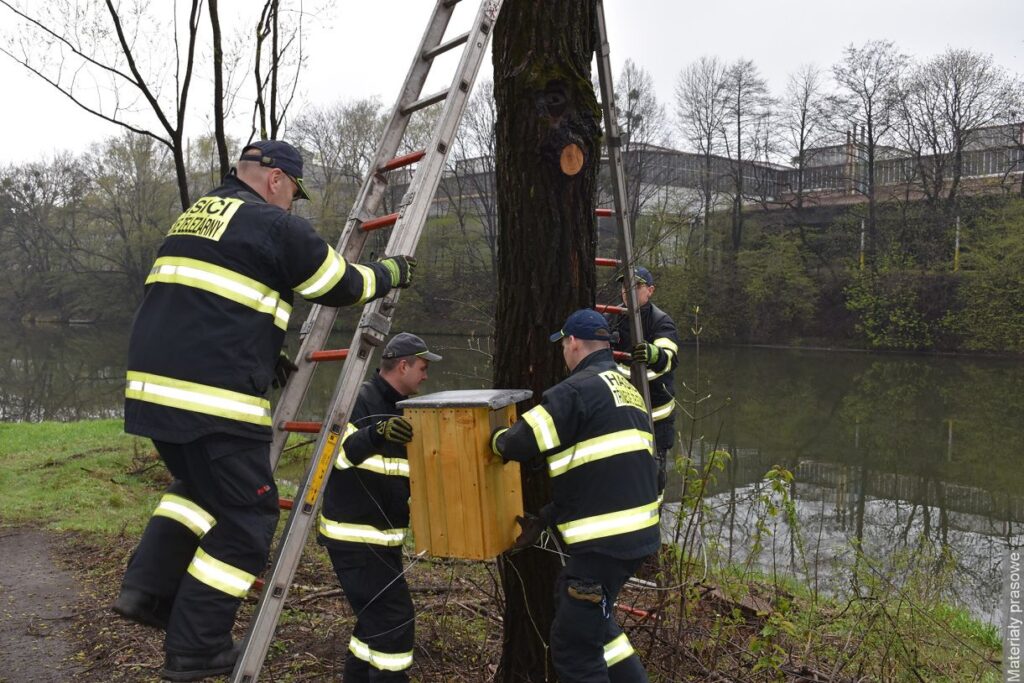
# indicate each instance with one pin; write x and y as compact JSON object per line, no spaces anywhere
{"x":375,"y":322}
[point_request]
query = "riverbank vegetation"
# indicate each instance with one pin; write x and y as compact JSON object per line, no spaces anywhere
{"x":697,"y":612}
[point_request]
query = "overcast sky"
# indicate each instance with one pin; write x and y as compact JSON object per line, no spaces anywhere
{"x":349,"y":58}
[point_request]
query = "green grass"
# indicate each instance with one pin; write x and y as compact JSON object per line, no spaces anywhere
{"x":76,"y":476}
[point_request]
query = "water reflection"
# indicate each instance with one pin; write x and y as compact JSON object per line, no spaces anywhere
{"x":887,"y":449}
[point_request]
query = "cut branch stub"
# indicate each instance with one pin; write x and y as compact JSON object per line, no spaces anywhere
{"x":571,"y":159}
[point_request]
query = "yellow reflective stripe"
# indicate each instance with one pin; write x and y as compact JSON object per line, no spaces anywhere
{"x":222,"y":282}
{"x":342,"y":462}
{"x":392,"y":467}
{"x":651,"y":374}
{"x":361,"y":533}
{"x":599,"y":448}
{"x":220,"y":575}
{"x":543,"y":427}
{"x":610,"y":524}
{"x":384,"y":661}
{"x":661,"y":412}
{"x":326,"y":276}
{"x":185,"y":512}
{"x":617,"y":650}
{"x":369,"y":282}
{"x":200,"y":398}
{"x":667,"y":344}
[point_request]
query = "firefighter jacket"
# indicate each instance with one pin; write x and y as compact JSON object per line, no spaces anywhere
{"x":367,"y":496}
{"x":212,"y":321}
{"x":594,"y":433}
{"x":659,"y":330}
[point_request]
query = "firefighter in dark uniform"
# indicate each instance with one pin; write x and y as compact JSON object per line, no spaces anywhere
{"x":205,"y":346}
{"x":660,"y":351}
{"x":365,"y":516}
{"x":593,"y":431}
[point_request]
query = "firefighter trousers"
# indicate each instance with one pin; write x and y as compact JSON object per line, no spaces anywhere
{"x":381,"y":646}
{"x":587,"y":645}
{"x":208,"y":538}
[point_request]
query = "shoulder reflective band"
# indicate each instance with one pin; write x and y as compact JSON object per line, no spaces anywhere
{"x":599,"y":448}
{"x":326,"y":276}
{"x":220,"y":575}
{"x":176,"y":393}
{"x":661,"y":412}
{"x":369,"y":282}
{"x":222,"y":282}
{"x":610,"y":524}
{"x":361,"y":533}
{"x":384,"y":661}
{"x":185,"y":512}
{"x":543,"y":427}
{"x":617,"y":650}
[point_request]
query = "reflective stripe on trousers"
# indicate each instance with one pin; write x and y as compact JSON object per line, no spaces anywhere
{"x":385,"y":661}
{"x":185,"y":512}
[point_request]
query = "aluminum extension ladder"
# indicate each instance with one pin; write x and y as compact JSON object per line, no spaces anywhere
{"x":375,"y":322}
{"x":637,"y":371}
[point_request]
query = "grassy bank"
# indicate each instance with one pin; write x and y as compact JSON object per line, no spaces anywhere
{"x":705,"y":622}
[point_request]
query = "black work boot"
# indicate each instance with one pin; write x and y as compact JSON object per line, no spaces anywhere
{"x":192,"y":668}
{"x":143,"y":608}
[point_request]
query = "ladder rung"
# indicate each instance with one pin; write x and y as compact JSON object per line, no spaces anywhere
{"x":605,"y":308}
{"x":334,"y":354}
{"x":444,"y":47}
{"x":303,"y":427}
{"x":621,"y":355}
{"x":613,"y":262}
{"x":285,"y":503}
{"x":425,"y":102}
{"x":404,"y":160}
{"x":604,"y":213}
{"x":378,"y":223}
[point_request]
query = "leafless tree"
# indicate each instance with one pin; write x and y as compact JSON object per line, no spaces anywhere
{"x":701,"y":109}
{"x":340,"y":141}
{"x":868,"y":78}
{"x":744,"y":132}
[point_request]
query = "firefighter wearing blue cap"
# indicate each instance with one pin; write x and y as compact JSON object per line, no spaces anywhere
{"x":204,"y":349}
{"x":593,"y":431}
{"x":659,"y":349}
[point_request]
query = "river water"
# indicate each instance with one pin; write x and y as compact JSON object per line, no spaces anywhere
{"x":894,"y":452}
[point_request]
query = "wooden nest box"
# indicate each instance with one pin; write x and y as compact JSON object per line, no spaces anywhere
{"x":464,"y":500}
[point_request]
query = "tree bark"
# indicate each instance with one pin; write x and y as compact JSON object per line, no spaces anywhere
{"x":218,"y":90}
{"x":546,"y":248}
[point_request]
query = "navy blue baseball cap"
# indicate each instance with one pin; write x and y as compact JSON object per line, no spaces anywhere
{"x":585,"y":323}
{"x":640,"y":274}
{"x":407,"y":344}
{"x":277,"y":154}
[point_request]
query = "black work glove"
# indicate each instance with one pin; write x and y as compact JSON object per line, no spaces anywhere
{"x":395,"y":429}
{"x":283,"y":369}
{"x":401,"y":269}
{"x":645,"y":353}
{"x":532,"y":527}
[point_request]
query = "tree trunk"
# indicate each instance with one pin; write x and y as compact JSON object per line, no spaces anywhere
{"x":218,"y":91}
{"x":546,"y":249}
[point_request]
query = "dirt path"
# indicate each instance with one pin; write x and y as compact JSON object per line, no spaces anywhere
{"x":36,"y":598}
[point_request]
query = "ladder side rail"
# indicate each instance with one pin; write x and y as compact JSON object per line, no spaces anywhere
{"x":420,"y":195}
{"x":319,"y":323}
{"x":638,"y":371}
